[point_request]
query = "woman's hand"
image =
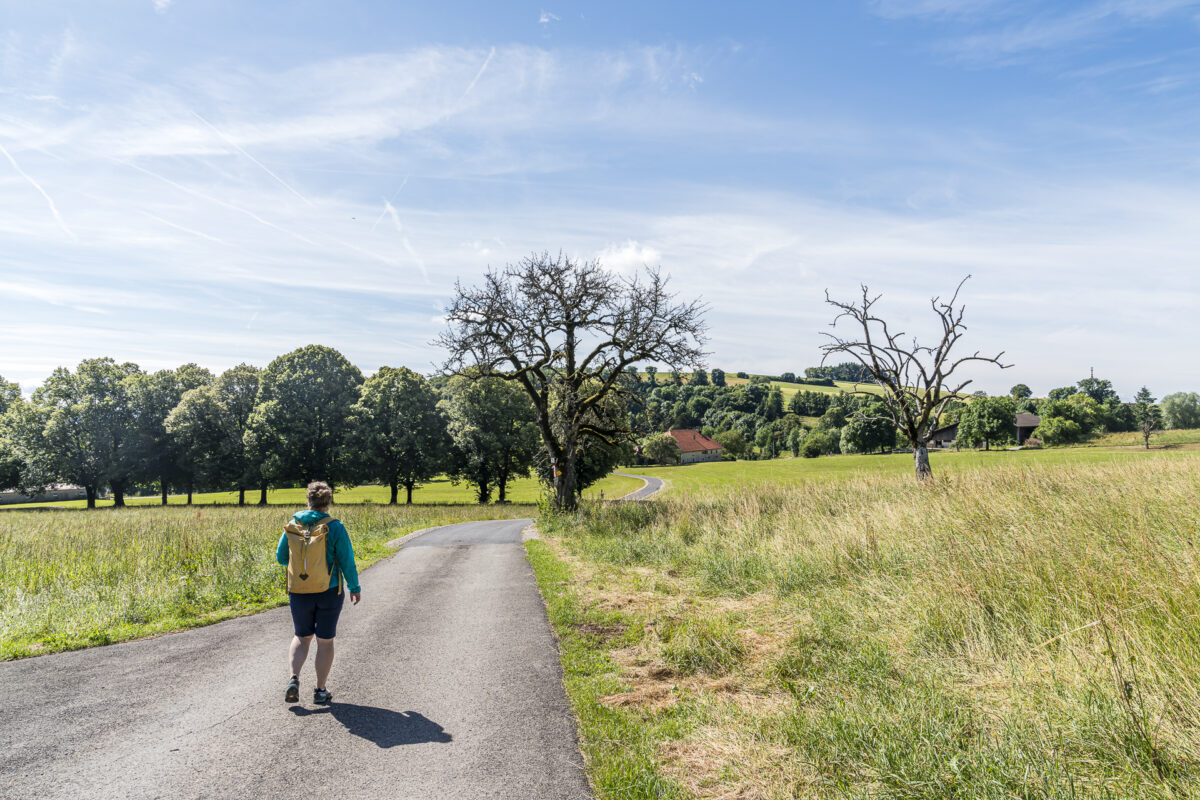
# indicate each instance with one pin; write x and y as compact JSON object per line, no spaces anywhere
{"x":354,"y":598}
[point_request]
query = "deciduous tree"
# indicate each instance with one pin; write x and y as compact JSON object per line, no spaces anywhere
{"x":10,"y":461}
{"x":398,"y":434}
{"x":1181,"y":410}
{"x":565,"y":331}
{"x":918,"y":381}
{"x":1098,"y":389}
{"x":869,"y":431}
{"x":209,"y":428}
{"x":986,"y":420}
{"x":1147,"y":415}
{"x":89,"y":434}
{"x":491,"y":424}
{"x":154,"y":396}
{"x":299,"y":425}
{"x":662,"y":449}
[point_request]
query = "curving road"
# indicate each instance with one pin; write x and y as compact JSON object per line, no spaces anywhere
{"x":447,"y":685}
{"x":652,"y":486}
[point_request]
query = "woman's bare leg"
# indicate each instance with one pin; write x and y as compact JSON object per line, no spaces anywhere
{"x":324,"y":660}
{"x":299,"y":652}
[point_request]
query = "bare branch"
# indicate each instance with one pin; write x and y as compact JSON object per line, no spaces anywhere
{"x":915,"y":379}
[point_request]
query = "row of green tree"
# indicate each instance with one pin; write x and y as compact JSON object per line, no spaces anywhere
{"x":752,"y":420}
{"x":308,"y":415}
{"x":1072,"y":414}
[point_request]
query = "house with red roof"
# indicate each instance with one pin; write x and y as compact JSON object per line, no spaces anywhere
{"x":694,"y":446}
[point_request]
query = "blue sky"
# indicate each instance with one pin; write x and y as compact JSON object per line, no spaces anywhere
{"x":224,"y":181}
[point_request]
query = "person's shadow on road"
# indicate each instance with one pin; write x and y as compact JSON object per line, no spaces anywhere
{"x":382,"y":726}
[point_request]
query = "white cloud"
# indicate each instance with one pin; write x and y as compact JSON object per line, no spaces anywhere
{"x":547,"y":17}
{"x":629,"y":258}
{"x":161,"y":6}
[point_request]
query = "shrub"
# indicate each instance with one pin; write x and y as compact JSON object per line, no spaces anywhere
{"x":1056,"y":431}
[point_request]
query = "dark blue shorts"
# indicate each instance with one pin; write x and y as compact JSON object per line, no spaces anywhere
{"x":316,"y":613}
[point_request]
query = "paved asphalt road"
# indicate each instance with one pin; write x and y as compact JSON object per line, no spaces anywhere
{"x":446,"y":685}
{"x":653,"y":486}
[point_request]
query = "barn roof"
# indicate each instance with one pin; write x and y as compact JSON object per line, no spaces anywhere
{"x":1027,"y":420}
{"x":690,"y":441}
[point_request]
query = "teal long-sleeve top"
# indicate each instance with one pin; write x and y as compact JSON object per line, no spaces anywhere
{"x":338,"y":550}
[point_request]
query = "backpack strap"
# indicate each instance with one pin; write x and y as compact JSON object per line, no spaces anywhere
{"x":341,"y":579}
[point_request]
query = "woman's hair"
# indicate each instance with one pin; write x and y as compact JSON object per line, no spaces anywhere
{"x":319,"y":495}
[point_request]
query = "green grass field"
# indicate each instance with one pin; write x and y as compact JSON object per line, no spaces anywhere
{"x":441,"y":491}
{"x":786,"y":389}
{"x":1023,"y":626}
{"x":70,"y":580}
{"x":738,"y":476}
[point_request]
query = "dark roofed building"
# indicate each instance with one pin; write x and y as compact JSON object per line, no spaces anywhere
{"x":694,"y":446}
{"x":1025,"y":422}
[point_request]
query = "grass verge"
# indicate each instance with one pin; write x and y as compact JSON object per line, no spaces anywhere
{"x":618,"y":749}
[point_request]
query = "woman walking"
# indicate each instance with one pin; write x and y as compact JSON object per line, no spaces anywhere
{"x":316,"y":549}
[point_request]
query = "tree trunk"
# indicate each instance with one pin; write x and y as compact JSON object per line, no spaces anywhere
{"x":921,"y":458}
{"x":503,"y":483}
{"x":241,"y":495}
{"x":191,"y":486}
{"x":564,"y":482}
{"x":91,"y":496}
{"x":484,"y":492}
{"x":163,"y":482}
{"x":395,"y":492}
{"x":408,"y":489}
{"x":262,"y":494}
{"x":118,"y":490}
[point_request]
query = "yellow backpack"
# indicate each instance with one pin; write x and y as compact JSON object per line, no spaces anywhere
{"x":308,"y":569}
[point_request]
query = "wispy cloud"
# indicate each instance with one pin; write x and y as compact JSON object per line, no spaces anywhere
{"x":546,"y":17}
{"x":1049,"y":30}
{"x":161,"y":6}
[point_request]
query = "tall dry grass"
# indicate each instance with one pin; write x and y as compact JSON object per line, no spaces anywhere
{"x":1011,"y":632}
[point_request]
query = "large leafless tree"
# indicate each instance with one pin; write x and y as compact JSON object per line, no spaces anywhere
{"x":565,"y":330}
{"x":916,"y":380}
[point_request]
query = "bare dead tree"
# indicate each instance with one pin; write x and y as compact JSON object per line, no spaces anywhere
{"x":917,"y":381}
{"x":565,"y":331}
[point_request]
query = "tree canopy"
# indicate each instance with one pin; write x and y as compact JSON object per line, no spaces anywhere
{"x":564,"y":331}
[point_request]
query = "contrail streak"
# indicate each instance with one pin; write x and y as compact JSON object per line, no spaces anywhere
{"x":387,"y":201}
{"x":238,"y":147}
{"x":36,"y":185}
{"x":201,"y":234}
{"x":479,"y":74}
{"x":404,"y":240}
{"x":230,"y":206}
